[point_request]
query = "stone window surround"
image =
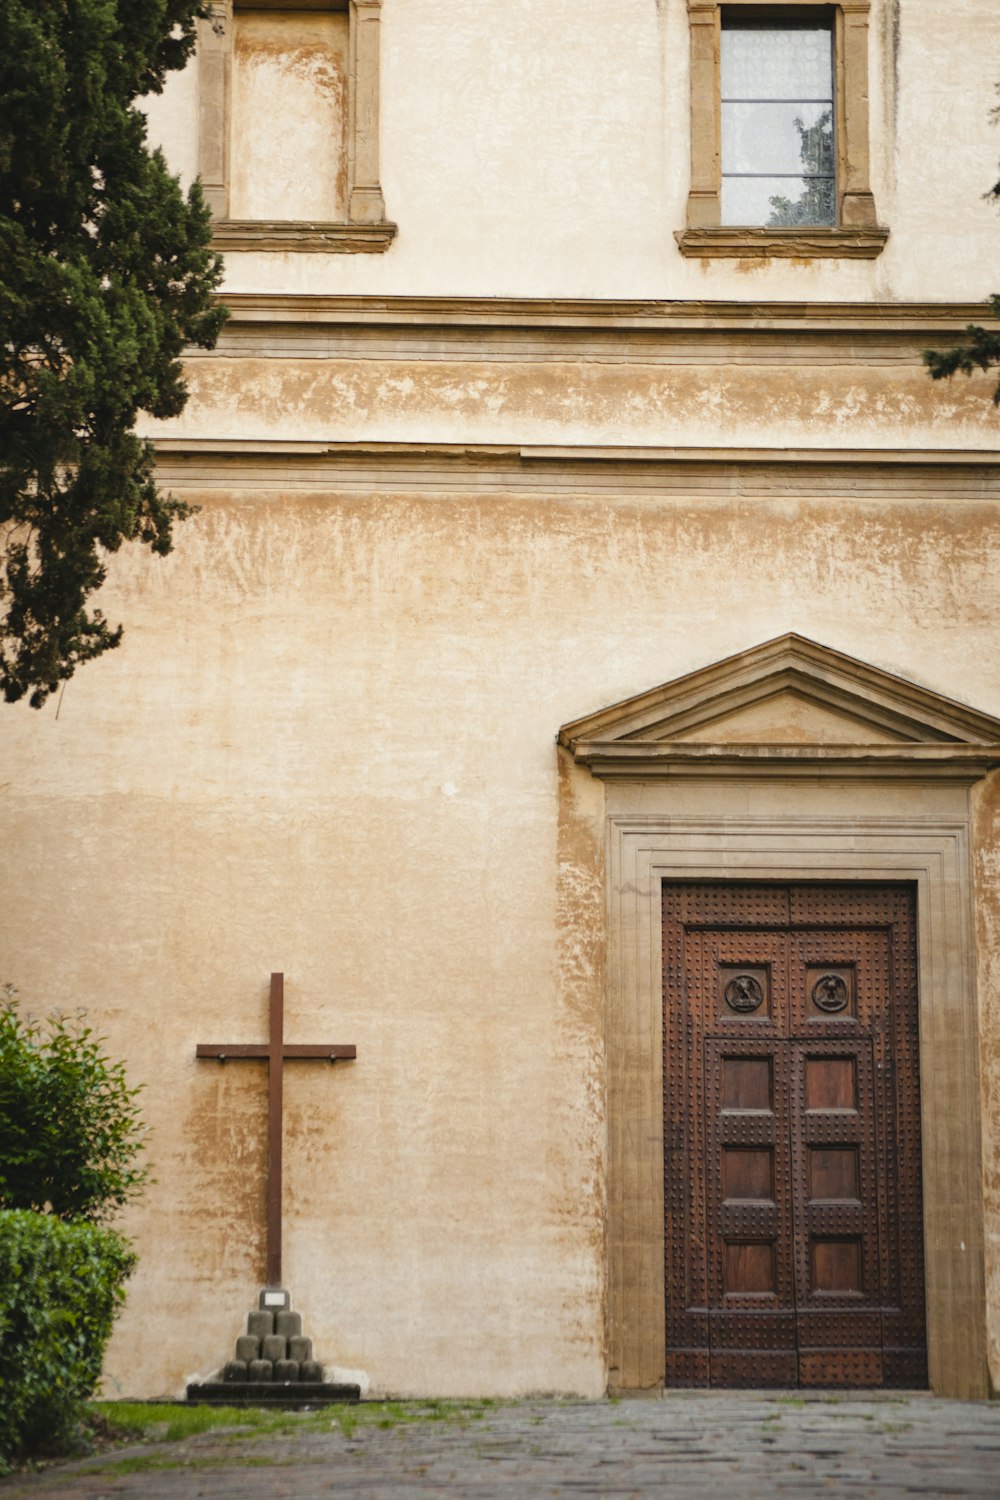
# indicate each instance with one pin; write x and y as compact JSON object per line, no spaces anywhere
{"x":858,"y":234}
{"x":366,"y":228}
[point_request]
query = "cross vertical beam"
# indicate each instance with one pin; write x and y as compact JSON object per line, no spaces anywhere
{"x":275,"y":1101}
{"x":275,"y":1053}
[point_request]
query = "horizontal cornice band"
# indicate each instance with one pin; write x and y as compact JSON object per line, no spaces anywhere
{"x":469,"y":454}
{"x":594,"y":313}
{"x":537,"y":331}
{"x":861,"y":474}
{"x":638,"y":760}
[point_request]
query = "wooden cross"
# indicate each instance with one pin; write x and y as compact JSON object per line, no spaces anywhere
{"x":274,"y":1052}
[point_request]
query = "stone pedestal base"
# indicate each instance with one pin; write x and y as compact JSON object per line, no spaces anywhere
{"x":290,"y":1394}
{"x":274,"y":1364}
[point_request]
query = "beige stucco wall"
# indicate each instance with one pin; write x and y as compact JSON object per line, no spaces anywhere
{"x":543,"y":149}
{"x":326,"y":745}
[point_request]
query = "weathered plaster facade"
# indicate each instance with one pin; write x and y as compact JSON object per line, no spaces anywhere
{"x":510,"y":458}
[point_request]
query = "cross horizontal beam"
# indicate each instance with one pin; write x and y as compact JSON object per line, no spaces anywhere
{"x":220,"y":1051}
{"x":275,"y":1052}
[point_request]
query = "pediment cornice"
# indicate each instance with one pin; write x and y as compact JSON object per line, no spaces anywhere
{"x":790,"y":707}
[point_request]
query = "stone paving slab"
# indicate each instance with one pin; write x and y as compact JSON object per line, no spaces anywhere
{"x":682,"y":1446}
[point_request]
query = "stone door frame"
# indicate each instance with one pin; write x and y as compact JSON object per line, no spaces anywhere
{"x":707,"y":830}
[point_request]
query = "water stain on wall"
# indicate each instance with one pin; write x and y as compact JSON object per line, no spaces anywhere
{"x":833,"y":406}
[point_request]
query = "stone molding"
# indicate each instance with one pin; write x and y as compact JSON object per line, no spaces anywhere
{"x":700,"y":831}
{"x":439,"y":329}
{"x":733,"y":241}
{"x":665,"y":732}
{"x":656,"y":345}
{"x":624,"y":473}
{"x":857,"y":458}
{"x":855,"y":202}
{"x":869,"y":763}
{"x":288,"y":234}
{"x":340,"y":5}
{"x":583,"y":314}
{"x":888,"y":703}
{"x":476,"y":455}
{"x":366,"y":204}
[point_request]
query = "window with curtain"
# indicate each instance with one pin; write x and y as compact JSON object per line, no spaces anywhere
{"x":778,"y":114}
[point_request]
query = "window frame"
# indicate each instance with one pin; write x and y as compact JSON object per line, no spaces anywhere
{"x":366,"y":227}
{"x":857,"y":233}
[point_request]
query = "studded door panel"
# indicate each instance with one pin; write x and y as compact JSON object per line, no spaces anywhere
{"x":794,"y":1233}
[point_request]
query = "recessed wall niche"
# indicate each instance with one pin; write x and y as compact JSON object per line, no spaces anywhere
{"x":289,"y":114}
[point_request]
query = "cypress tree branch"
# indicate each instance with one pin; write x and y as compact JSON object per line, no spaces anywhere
{"x":105,"y":276}
{"x":981,"y":350}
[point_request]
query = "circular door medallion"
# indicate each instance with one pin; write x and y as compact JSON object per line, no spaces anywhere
{"x":830,"y":994}
{"x":744,"y":994}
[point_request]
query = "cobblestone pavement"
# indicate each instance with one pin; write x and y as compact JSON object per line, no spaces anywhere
{"x":686,"y":1444}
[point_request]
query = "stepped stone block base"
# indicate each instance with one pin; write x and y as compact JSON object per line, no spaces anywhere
{"x":274,"y":1364}
{"x":271,"y":1393}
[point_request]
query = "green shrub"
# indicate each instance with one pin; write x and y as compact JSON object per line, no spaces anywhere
{"x":61,"y":1285}
{"x":70,"y":1129}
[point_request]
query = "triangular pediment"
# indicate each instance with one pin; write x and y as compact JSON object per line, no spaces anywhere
{"x":792,"y":693}
{"x":789,"y":717}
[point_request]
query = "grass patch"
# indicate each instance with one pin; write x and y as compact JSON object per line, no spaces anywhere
{"x":145,"y":1463}
{"x":116,"y":1422}
{"x":167,"y":1422}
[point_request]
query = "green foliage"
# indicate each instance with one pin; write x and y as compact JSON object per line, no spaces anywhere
{"x":105,"y":275}
{"x":815,"y":204}
{"x":70,"y":1128}
{"x":981,"y":351}
{"x":60,"y":1287}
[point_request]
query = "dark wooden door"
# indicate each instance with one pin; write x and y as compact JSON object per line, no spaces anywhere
{"x":793,"y":1211}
